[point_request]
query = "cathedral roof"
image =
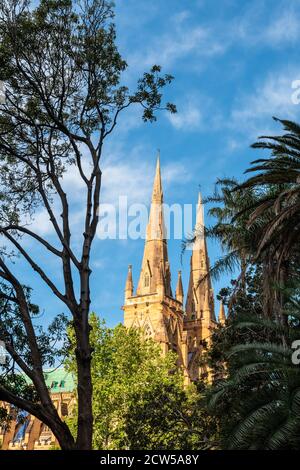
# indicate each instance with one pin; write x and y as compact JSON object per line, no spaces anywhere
{"x":58,"y":380}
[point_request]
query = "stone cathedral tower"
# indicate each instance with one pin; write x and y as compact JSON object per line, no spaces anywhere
{"x":154,"y":308}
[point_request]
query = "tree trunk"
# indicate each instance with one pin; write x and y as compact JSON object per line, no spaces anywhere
{"x":84,"y":387}
{"x":62,"y":434}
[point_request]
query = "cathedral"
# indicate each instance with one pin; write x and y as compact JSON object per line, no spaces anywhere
{"x":184,"y":329}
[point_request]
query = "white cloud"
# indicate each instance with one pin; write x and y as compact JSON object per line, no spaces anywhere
{"x":124,"y":174}
{"x":126,"y":179}
{"x":40,"y":224}
{"x":98,"y":263}
{"x":284,"y":28}
{"x":175,"y":173}
{"x":181,"y":40}
{"x":72,"y":181}
{"x":189,"y":38}
{"x":178,"y":18}
{"x":197,"y":40}
{"x":191,"y":110}
{"x":234,"y":144}
{"x":259,"y":26}
{"x":134,"y":179}
{"x":189,"y":118}
{"x":252,"y":112}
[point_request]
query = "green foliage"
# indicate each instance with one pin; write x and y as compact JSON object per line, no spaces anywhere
{"x":281,"y":173}
{"x":256,"y":390}
{"x":64,"y":96}
{"x":138,"y":397}
{"x":13,"y":334}
{"x":62,"y":74}
{"x":170,"y":417}
{"x":261,"y":395}
{"x":255,"y":395}
{"x":4,"y":417}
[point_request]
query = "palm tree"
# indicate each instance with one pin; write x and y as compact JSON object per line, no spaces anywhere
{"x":259,"y":222}
{"x":236,"y":240}
{"x":278,"y":177}
{"x":259,"y":402}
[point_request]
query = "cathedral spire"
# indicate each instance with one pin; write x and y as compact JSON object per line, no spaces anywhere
{"x":179,"y":289}
{"x":129,"y":284}
{"x":200,"y":212}
{"x":199,"y":302}
{"x":155,"y":260}
{"x":222,"y":316}
{"x":157,"y":193}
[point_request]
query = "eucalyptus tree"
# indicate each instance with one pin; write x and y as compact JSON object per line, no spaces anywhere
{"x":63,"y":98}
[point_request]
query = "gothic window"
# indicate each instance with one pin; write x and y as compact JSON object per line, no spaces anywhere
{"x":64,"y":409}
{"x":147,"y":331}
{"x":146,"y":280}
{"x":45,"y":428}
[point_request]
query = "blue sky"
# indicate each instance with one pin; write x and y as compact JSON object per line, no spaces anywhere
{"x":234,"y":62}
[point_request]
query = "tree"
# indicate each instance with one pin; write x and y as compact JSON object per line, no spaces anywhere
{"x":281,"y":173}
{"x":258,"y":219}
{"x":232,"y":208}
{"x":166,"y":417}
{"x":62,"y":74}
{"x":277,"y":209}
{"x":139,"y":398}
{"x":255,"y":394}
{"x":241,"y":303}
{"x":258,"y":404}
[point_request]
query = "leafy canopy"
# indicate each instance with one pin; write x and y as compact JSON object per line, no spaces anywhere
{"x":139,"y":401}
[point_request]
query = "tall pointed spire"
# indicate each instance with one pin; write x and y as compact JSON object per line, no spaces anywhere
{"x":200,"y":242}
{"x":222,"y":316}
{"x":200,"y":212}
{"x":199,"y":293}
{"x":179,"y":288}
{"x":155,"y":257}
{"x":157,"y":193}
{"x":129,"y":284}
